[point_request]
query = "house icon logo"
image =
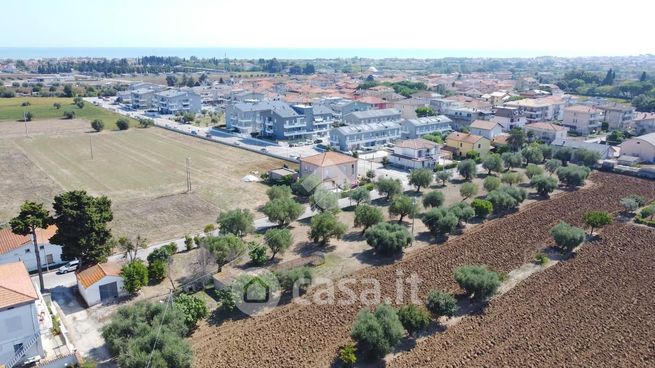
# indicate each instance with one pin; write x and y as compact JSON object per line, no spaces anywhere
{"x":256,"y":291}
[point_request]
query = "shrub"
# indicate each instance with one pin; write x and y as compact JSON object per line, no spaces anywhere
{"x":122,"y":124}
{"x":433,"y":199}
{"x":29,"y":116}
{"x":347,"y":355}
{"x":193,"y":308}
{"x":467,"y":169}
{"x":158,"y":270}
{"x":377,"y":333}
{"x":388,"y":239}
{"x":468,"y":190}
{"x":188,"y":242}
{"x":477,"y":280}
{"x":440,"y":221}
{"x":69,"y":114}
{"x":414,"y":318}
{"x":566,"y":236}
{"x":544,"y":184}
{"x":519,"y":194}
{"x":367,"y":216}
{"x":541,"y":258}
{"x":462,"y":210}
{"x":573,"y":175}
{"x":491,"y":183}
{"x":146,"y":123}
{"x":629,"y":204}
{"x":299,"y":278}
{"x":135,"y":276}
{"x":258,"y":255}
{"x":648,"y":212}
{"x":597,"y":219}
{"x":585,"y":157}
{"x":441,"y":303}
{"x":278,"y":191}
{"x":482,"y":207}
{"x":97,"y":125}
{"x":533,"y":170}
{"x":226,"y":299}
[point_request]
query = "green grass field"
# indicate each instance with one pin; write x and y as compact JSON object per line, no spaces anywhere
{"x":43,"y":109}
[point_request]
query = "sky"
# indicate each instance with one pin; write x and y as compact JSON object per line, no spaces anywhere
{"x":548,"y":27}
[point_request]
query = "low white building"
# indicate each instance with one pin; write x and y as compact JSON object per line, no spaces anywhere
{"x":485,"y":128}
{"x":100,"y":283}
{"x":15,"y":248}
{"x":546,"y":132}
{"x":642,"y":146}
{"x":415,"y":153}
{"x":23,"y":316}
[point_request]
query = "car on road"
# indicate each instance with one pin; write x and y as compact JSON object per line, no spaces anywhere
{"x":194,"y":132}
{"x":236,"y":143}
{"x":69,"y":267}
{"x":264,"y":149}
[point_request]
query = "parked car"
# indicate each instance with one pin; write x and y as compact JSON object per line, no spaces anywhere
{"x":69,"y":267}
{"x":263,"y":149}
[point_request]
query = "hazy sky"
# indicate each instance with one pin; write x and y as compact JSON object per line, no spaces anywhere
{"x":554,"y":27}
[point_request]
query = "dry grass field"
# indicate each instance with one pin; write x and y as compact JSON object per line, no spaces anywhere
{"x":141,"y":170}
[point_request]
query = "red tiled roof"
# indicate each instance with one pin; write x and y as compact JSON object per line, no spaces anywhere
{"x":328,"y":159}
{"x":483,"y":124}
{"x":464,"y":137}
{"x":10,"y":241}
{"x":93,"y":274}
{"x":15,"y":285}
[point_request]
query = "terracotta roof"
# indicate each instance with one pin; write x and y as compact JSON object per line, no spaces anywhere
{"x":416,"y":144}
{"x":328,"y":159}
{"x":483,"y":124}
{"x":500,"y":139}
{"x":545,"y":126}
{"x":10,"y":241}
{"x":583,"y":108}
{"x":372,"y":100}
{"x":464,"y":137}
{"x":93,"y":274}
{"x":15,"y":285}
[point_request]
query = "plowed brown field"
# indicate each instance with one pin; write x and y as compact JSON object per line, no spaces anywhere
{"x":309,"y":336}
{"x":596,"y":310}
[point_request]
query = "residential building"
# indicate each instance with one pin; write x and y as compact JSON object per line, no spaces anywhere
{"x":364,"y":136}
{"x":485,"y":128}
{"x":415,"y":153}
{"x":23,"y":316}
{"x":371,"y":116}
{"x":15,"y":248}
{"x":617,"y":115}
{"x":142,"y":98}
{"x":408,"y":106}
{"x":509,"y":117}
{"x":642,"y":146}
{"x":342,"y":106}
{"x":100,"y":283}
{"x":246,"y":117}
{"x":462,"y":117}
{"x":496,"y":98}
{"x":374,"y":102}
{"x":644,"y":122}
{"x":540,"y":109}
{"x":605,"y":151}
{"x":416,"y":128}
{"x":546,"y":132}
{"x":334,"y":169}
{"x":242,"y":96}
{"x":174,"y":101}
{"x":582,"y":119}
{"x":461,"y":143}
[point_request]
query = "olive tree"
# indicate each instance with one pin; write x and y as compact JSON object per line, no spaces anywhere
{"x":433,"y":199}
{"x":493,"y":162}
{"x":388,"y":239}
{"x":389,"y":187}
{"x":468,"y":190}
{"x":325,"y":226}
{"x":402,"y":206}
{"x":544,"y":184}
{"x":477,"y":280}
{"x":420,"y":178}
{"x":444,"y":176}
{"x":566,"y":236}
{"x":491,"y":183}
{"x":367,"y":216}
{"x":596,"y":220}
{"x":467,"y":169}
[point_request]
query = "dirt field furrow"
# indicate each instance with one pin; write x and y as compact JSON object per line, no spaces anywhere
{"x":309,"y":336}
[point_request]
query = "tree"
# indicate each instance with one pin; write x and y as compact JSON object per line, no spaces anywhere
{"x":258,"y":255}
{"x":573,"y":175}
{"x":643,"y":77}
{"x":278,"y":241}
{"x":69,"y":115}
{"x":157,"y":270}
{"x":585,"y":157}
{"x":367,"y":216}
{"x":377,"y":333}
{"x":501,"y":200}
{"x":389,"y":187}
{"x":402,"y":206}
{"x":171,"y":80}
{"x":468,"y":190}
{"x":532,"y":154}
{"x":463,"y":211}
{"x":516,"y":139}
{"x":440,"y":221}
{"x":420,"y":178}
{"x":444,"y":176}
{"x":130,"y":248}
{"x":224,"y":248}
{"x":238,"y":222}
{"x":424,"y":111}
{"x":552,"y":165}
{"x":433,"y":199}
{"x":193,"y":309}
{"x":80,"y":104}
{"x":566,"y":236}
{"x":278,"y":191}
{"x":28,"y":116}
{"x":512,"y":159}
{"x":324,"y":200}
{"x":563,"y":154}
{"x":122,"y":124}
{"x":97,"y":125}
{"x":493,"y":162}
{"x":360,"y":195}
{"x":544,"y":184}
{"x":82,"y":229}
{"x":414,"y":318}
{"x":491,"y":183}
{"x":146,"y":123}
{"x":532,"y":170}
{"x":135,"y":276}
{"x":511,"y":178}
{"x":32,"y":216}
{"x":283,"y":211}
{"x":68,"y":90}
{"x":388,"y":239}
{"x":467,"y":169}
{"x":596,"y":220}
{"x":482,"y":207}
{"x":477,"y":280}
{"x":325,"y":226}
{"x":441,"y":303}
{"x":609,"y":78}
{"x":56,"y":105}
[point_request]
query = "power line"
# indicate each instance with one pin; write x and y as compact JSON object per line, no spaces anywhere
{"x":161,"y":324}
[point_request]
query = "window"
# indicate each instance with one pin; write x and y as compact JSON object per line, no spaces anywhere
{"x":479,"y":145}
{"x":27,"y":250}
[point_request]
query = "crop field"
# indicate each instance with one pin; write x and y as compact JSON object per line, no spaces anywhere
{"x":143,"y":171}
{"x":595,"y":310}
{"x":42,"y":108}
{"x":296,"y":335}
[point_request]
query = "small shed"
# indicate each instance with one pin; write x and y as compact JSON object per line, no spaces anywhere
{"x":100,"y":283}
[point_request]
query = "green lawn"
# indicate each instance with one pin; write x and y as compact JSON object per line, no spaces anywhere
{"x":42,"y":108}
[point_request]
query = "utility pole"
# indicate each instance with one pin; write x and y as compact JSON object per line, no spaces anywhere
{"x":25,"y":122}
{"x":413,"y":218}
{"x":188,"y":175}
{"x":91,"y":146}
